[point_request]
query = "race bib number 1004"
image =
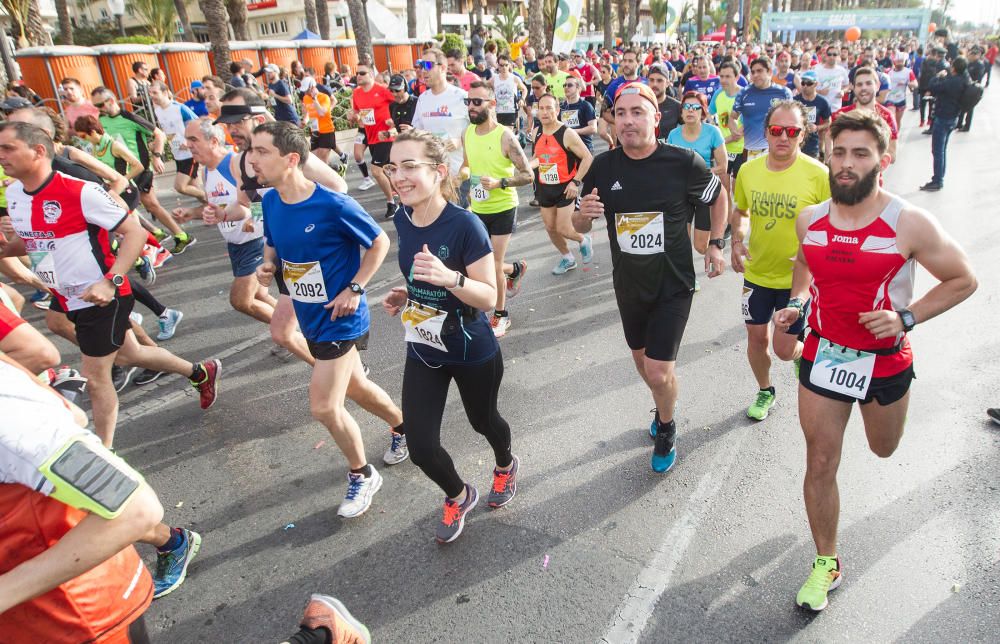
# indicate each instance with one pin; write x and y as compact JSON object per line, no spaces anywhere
{"x":640,"y":233}
{"x":842,"y":369}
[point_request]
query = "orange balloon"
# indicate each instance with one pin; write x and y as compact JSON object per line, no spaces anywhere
{"x":931,"y":28}
{"x":853,"y":33}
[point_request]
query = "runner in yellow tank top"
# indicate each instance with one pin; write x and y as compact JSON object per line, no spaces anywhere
{"x":496,"y":165}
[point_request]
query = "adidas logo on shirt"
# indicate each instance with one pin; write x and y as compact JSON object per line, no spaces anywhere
{"x":616,"y":186}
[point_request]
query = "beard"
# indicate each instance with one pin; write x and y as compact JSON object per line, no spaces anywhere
{"x":854,"y":194}
{"x":479,"y":117}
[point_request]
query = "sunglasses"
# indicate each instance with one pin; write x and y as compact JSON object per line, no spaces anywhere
{"x":100,"y":105}
{"x":475,"y":101}
{"x":690,"y":107}
{"x":362,"y":73}
{"x":807,"y":83}
{"x":790,"y":131}
{"x":425,"y":65}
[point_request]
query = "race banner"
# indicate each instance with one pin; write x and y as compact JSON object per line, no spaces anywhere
{"x":567,"y":25}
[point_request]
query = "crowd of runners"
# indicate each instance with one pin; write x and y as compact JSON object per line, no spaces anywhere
{"x":776,"y":151}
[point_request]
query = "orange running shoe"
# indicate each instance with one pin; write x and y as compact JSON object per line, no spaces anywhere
{"x":324,"y":611}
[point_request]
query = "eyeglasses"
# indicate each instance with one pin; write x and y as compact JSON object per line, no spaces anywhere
{"x":569,"y":84}
{"x":690,"y":107}
{"x":406,"y":167}
{"x":425,"y":65}
{"x":807,"y":83}
{"x":790,"y":131}
{"x":475,"y":101}
{"x":360,"y":73}
{"x":100,"y":105}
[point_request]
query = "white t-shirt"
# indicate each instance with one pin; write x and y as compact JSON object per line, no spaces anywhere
{"x":835,"y":80}
{"x":444,"y":115}
{"x":172,"y":120}
{"x":898,"y":82}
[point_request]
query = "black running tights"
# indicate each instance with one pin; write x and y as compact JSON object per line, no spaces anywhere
{"x":425,"y":392}
{"x":144,"y":297}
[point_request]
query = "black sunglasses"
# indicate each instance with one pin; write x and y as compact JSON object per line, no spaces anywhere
{"x":475,"y":101}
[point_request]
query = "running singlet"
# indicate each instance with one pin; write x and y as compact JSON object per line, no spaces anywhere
{"x":774,"y":201}
{"x":134,"y":131}
{"x":854,"y":272}
{"x":173,"y":119}
{"x":64,"y":225}
{"x":722,"y":107}
{"x":460,"y":334}
{"x":486,"y":159}
{"x":221,"y":191}
{"x":556,"y":164}
{"x":506,"y":93}
{"x":372,"y":108}
{"x":318,"y":124}
{"x":99,"y":604}
{"x":648,"y":204}
{"x":318,"y":240}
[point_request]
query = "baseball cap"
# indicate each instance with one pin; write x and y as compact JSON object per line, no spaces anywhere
{"x":397,"y":83}
{"x":307,"y":83}
{"x":657,"y":68}
{"x":637,"y":87}
{"x":272,"y":69}
{"x":196,"y":84}
{"x":236,"y":113}
{"x":809,"y":75}
{"x":12,"y":103}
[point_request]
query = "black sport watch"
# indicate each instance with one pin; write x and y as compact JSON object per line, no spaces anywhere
{"x":718,"y":243}
{"x":908,"y":320}
{"x":503,"y":183}
{"x":356,"y":289}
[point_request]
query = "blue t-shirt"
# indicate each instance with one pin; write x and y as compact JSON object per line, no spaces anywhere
{"x":283,"y":111}
{"x":196,"y":106}
{"x":707,"y":86}
{"x":609,"y":94}
{"x":818,"y":111}
{"x":752,"y":104}
{"x":709,"y":139}
{"x":459,"y":239}
{"x":577,"y":115}
{"x":330,"y":229}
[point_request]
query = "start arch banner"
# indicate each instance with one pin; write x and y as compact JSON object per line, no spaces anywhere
{"x":915,"y":20}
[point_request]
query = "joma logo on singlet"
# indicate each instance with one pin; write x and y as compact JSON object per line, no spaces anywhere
{"x":845,"y":240}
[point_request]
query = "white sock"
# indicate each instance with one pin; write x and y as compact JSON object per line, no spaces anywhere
{"x":569,"y":257}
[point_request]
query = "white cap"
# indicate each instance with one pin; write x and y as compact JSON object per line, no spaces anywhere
{"x":307,"y":83}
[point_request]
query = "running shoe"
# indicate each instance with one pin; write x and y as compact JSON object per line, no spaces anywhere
{"x":343,"y":159}
{"x":68,"y":382}
{"x":135,"y":317}
{"x":341,"y":169}
{"x":40,"y":300}
{"x":587,"y":249}
{"x":762,"y":405}
{"x":208,"y":388}
{"x":162,"y":257}
{"x":825,"y":576}
{"x":397,"y":452}
{"x":144,"y":267}
{"x":564,"y":266}
{"x":361,"y":490}
{"x":147,"y":376}
{"x":160,"y":234}
{"x":994,"y":414}
{"x":533,"y":203}
{"x":366,"y":183}
{"x":120,"y":376}
{"x":168,"y":323}
{"x":514,"y":283}
{"x":281,"y":352}
{"x":504,"y":486}
{"x":324,"y":611}
{"x":500,"y":324}
{"x":171,"y":567}
{"x":930,"y":186}
{"x":181,"y":245}
{"x":454,"y":516}
{"x":664,"y":451}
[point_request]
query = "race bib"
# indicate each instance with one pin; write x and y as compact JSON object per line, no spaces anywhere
{"x":43,"y":264}
{"x":842,"y":369}
{"x":548,"y":174}
{"x":305,"y":282}
{"x":257,"y":211}
{"x":423,"y":324}
{"x":367,"y":117}
{"x":571,"y":118}
{"x":640,"y":233}
{"x":811,"y":113}
{"x":747,"y":294}
{"x":479,"y":193}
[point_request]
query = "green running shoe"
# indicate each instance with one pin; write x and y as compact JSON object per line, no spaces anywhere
{"x":759,"y":409}
{"x":825,"y":576}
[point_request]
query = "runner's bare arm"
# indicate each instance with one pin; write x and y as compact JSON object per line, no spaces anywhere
{"x":522,"y":167}
{"x":591,"y":208}
{"x":347,"y":301}
{"x":120,"y":151}
{"x":321,"y":173}
{"x":116,"y":182}
{"x":11,"y":245}
{"x":801,"y":275}
{"x":19,"y":274}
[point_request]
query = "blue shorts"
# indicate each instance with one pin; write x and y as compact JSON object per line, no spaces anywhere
{"x":246,"y":257}
{"x":760,"y":303}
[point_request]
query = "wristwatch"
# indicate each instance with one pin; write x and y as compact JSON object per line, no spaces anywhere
{"x":158,"y":155}
{"x":797,"y":304}
{"x":718,"y":243}
{"x":459,"y":280}
{"x":908,"y":320}
{"x":115,"y":279}
{"x":576,"y":182}
{"x":503,"y":182}
{"x":356,"y":289}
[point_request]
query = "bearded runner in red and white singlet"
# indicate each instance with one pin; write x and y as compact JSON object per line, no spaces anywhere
{"x":857,"y":259}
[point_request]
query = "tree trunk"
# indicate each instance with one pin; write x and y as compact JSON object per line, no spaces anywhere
{"x":323,"y":19}
{"x":700,"y":19}
{"x":730,"y":19}
{"x":536,"y":25}
{"x":633,"y":20}
{"x":411,"y":18}
{"x":309,"y":6}
{"x":237,"y":10}
{"x":438,"y":10}
{"x":65,"y":26}
{"x":477,"y":13}
{"x":182,"y":15}
{"x":218,"y":34}
{"x":359,"y":22}
{"x":606,"y":21}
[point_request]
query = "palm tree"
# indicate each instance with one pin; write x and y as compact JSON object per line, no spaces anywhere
{"x":237,"y":10}
{"x":438,"y":10}
{"x":37,"y":35}
{"x":508,"y":21}
{"x":477,"y":13}
{"x":218,"y":34}
{"x":702,"y":5}
{"x":309,"y":7}
{"x":633,"y":19}
{"x":411,"y":18}
{"x":606,"y":22}
{"x":180,"y":6}
{"x":18,"y":12}
{"x":323,"y":19}
{"x":659,"y":9}
{"x":536,"y":24}
{"x":730,"y":25}
{"x":362,"y":36}
{"x":159,"y":16}
{"x":65,"y":26}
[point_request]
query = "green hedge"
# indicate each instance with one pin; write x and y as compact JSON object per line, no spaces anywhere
{"x":135,"y":40}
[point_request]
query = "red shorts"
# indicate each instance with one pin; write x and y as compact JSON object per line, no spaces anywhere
{"x":8,"y":321}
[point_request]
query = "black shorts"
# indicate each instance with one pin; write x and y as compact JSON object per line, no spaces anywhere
{"x":327,"y":140}
{"x":657,"y":326}
{"x":760,"y":303}
{"x":334,"y":350}
{"x":736,"y":162}
{"x":144,"y":182}
{"x":510,"y":120}
{"x":885,"y":390}
{"x":130,"y":196}
{"x":380,"y":152}
{"x":280,"y":280}
{"x":100,"y":330}
{"x":499,"y":223}
{"x":552,"y":196}
{"x":187,"y":167}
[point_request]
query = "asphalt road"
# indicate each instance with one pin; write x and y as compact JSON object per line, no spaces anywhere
{"x":595,"y":546}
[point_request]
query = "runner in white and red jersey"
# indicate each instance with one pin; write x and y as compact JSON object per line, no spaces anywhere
{"x":857,"y":258}
{"x":64,"y":224}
